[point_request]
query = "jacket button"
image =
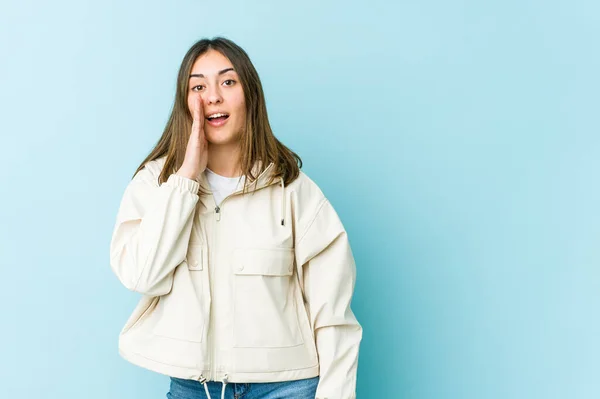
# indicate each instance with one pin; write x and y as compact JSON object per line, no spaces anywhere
{"x":194,"y":263}
{"x":241,"y":267}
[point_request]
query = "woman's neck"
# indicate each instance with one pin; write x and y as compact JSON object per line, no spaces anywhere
{"x":224,"y":160}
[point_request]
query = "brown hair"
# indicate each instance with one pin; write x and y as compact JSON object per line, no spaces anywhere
{"x":258,"y":143}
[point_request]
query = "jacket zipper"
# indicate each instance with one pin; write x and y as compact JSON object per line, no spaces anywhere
{"x":213,"y":352}
{"x":213,"y":362}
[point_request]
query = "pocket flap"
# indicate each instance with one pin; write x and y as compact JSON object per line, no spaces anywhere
{"x":264,"y":261}
{"x":196,"y":256}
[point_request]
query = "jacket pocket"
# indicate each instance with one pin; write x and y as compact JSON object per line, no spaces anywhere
{"x":182,"y":313}
{"x":143,"y":308}
{"x":265,"y":314}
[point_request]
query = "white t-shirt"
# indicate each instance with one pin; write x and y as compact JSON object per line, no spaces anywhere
{"x":222,"y":186}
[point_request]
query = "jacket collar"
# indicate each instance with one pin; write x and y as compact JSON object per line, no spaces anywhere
{"x":260,"y":182}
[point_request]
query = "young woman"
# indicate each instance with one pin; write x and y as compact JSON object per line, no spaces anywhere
{"x":245,"y":268}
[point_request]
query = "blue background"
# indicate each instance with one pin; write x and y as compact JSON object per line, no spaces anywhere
{"x":457,"y":140}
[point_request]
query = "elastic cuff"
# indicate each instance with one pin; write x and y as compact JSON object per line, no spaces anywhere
{"x":183,"y":182}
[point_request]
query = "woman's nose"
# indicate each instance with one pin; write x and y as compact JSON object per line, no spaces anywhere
{"x":213,"y":96}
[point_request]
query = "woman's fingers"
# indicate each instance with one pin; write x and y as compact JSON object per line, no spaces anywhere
{"x":198,"y":110}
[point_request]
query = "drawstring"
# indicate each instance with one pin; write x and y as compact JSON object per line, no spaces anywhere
{"x":203,"y":382}
{"x":282,"y":201}
{"x":224,"y":385}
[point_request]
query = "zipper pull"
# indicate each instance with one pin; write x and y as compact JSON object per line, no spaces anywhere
{"x":218,"y":214}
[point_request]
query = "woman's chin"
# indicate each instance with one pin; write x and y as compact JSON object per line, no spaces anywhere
{"x":220,"y":138}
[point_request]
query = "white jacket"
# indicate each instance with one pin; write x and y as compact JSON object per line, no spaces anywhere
{"x":258,"y":290}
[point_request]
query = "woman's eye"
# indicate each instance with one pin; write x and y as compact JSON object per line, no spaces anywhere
{"x":229,"y":80}
{"x":195,"y":88}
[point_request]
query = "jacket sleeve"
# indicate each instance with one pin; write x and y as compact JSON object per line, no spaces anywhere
{"x":328,"y":279}
{"x":152,"y":231}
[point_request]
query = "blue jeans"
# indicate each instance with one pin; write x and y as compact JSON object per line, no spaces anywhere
{"x":297,"y":389}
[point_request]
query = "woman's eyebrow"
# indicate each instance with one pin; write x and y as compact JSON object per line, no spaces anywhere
{"x":221,"y":72}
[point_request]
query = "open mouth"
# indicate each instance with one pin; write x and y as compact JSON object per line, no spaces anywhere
{"x":220,"y":116}
{"x":217,"y":119}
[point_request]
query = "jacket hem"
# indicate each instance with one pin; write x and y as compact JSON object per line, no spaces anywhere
{"x":237,"y":377}
{"x":162,"y":368}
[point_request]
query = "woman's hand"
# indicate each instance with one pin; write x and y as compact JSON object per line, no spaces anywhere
{"x":196,"y":153}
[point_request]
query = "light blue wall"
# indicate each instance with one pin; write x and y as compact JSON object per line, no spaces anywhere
{"x":459,"y":142}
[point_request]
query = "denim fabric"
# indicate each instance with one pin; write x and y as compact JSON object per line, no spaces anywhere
{"x":297,"y":389}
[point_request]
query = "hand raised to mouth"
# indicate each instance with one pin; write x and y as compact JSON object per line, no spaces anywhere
{"x":196,"y":153}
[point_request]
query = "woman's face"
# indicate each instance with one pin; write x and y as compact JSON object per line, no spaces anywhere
{"x":213,"y":78}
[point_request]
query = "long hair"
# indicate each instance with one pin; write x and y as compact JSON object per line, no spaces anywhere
{"x":257,"y":143}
